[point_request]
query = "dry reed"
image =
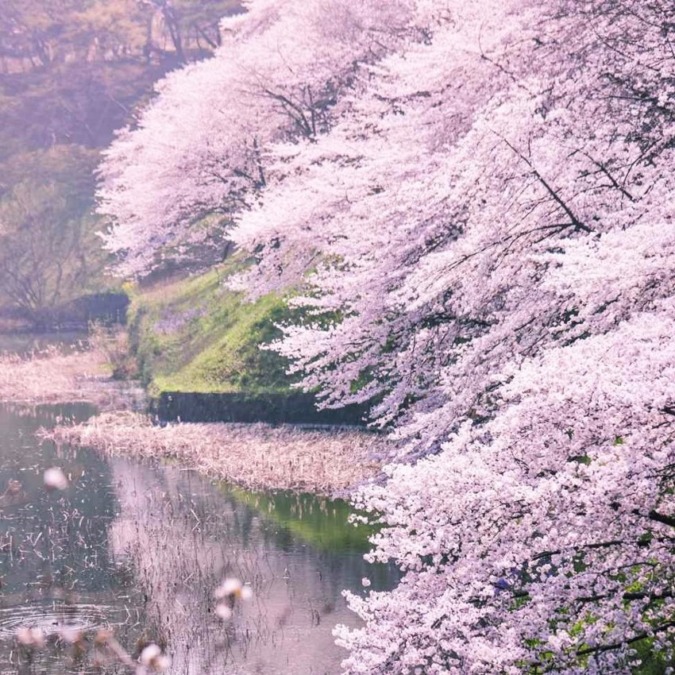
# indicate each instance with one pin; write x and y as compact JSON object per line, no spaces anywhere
{"x":255,"y":456}
{"x":51,"y":376}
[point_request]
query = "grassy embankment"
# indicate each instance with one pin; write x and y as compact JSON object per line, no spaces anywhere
{"x":194,"y":335}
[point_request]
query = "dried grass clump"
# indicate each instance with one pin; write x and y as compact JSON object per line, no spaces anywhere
{"x":112,"y":343}
{"x":52,"y":376}
{"x":255,"y":456}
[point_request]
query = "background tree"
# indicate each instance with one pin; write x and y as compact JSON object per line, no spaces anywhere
{"x":71,"y":72}
{"x":202,"y":146}
{"x":48,"y":252}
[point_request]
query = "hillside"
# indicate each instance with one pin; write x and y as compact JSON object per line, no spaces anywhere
{"x":194,"y":335}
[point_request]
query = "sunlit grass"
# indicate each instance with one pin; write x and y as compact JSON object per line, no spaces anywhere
{"x":196,"y":335}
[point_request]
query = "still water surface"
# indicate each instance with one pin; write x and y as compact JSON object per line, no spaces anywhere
{"x":27,"y":343}
{"x":140,"y":549}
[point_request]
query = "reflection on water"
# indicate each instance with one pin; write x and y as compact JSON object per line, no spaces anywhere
{"x":55,"y":567}
{"x":141,"y":549}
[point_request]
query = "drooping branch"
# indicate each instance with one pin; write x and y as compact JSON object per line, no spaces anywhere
{"x":554,"y":194}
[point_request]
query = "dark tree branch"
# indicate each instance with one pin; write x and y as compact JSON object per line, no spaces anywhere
{"x":574,"y":221}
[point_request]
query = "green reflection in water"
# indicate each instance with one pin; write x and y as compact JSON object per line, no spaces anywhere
{"x":321,"y":522}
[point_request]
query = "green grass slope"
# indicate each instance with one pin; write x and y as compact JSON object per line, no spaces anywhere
{"x":195,"y":335}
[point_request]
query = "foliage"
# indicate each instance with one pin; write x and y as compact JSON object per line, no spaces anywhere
{"x":71,"y":71}
{"x":40,"y":33}
{"x":47,"y":244}
{"x":69,"y":103}
{"x":485,"y":211}
{"x":197,"y":151}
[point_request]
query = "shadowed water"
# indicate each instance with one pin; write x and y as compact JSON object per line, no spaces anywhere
{"x":140,"y":549}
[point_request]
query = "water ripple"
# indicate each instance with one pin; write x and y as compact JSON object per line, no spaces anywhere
{"x":51,"y":616}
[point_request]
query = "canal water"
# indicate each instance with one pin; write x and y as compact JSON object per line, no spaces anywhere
{"x":139,"y":549}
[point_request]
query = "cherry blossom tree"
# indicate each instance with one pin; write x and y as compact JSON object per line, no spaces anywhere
{"x":201,"y":147}
{"x":480,"y":235}
{"x":499,"y":281}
